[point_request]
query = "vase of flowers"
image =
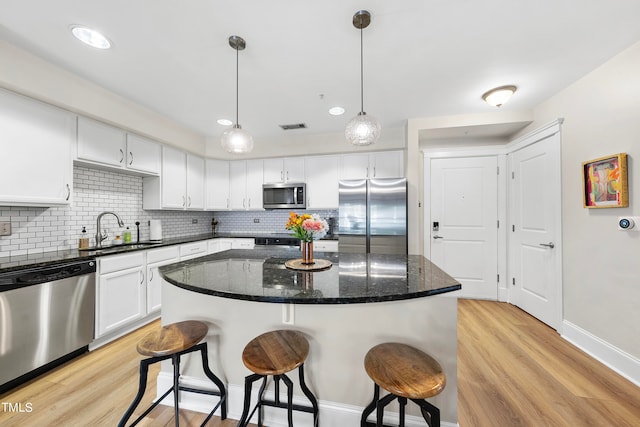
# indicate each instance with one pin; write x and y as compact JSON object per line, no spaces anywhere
{"x":307,"y":228}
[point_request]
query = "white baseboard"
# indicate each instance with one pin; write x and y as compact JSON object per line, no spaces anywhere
{"x":331,"y":413}
{"x":623,"y":363}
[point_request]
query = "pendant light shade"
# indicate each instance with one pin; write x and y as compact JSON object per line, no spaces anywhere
{"x":362,"y":129}
{"x":236,"y":140}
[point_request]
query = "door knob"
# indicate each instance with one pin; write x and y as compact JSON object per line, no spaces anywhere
{"x":438,"y":237}
{"x":548,"y":245}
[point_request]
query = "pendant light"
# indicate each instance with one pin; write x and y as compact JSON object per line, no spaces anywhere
{"x":362,"y":129}
{"x":236,"y":140}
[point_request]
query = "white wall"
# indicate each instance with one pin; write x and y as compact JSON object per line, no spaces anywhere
{"x":35,"y":77}
{"x":601,"y":264}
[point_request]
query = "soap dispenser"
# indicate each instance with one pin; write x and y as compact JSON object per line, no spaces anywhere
{"x":127,"y":235}
{"x":83,"y":242}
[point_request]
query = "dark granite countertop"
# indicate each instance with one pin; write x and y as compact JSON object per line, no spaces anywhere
{"x":260,"y":275}
{"x":54,"y":257}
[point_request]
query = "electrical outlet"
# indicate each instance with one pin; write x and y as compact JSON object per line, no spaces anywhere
{"x":256,"y":220}
{"x":5,"y":228}
{"x":194,"y":221}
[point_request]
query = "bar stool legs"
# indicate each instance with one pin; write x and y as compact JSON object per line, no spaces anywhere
{"x":247,"y":413}
{"x":171,"y":342}
{"x":406,"y":373}
{"x":274,"y":354}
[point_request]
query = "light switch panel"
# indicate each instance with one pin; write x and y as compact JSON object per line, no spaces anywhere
{"x":5,"y":229}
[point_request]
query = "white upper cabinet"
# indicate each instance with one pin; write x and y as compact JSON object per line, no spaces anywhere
{"x":384,"y":164}
{"x":100,"y":143}
{"x":174,"y":178}
{"x":216,"y":184}
{"x":38,"y":144}
{"x":195,"y":182}
{"x":181,"y":184}
{"x":290,"y":169}
{"x":103,"y":145}
{"x":143,"y":154}
{"x":245,"y":184}
{"x":322,"y":182}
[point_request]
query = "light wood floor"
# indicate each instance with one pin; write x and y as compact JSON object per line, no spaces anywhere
{"x":515,"y":371}
{"x":512,"y":371}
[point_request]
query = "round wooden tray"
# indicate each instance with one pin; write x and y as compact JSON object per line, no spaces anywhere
{"x":318,"y":265}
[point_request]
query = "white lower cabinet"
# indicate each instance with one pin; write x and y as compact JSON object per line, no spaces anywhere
{"x":121,"y":291}
{"x":193,"y":250}
{"x":242,"y":243}
{"x":157,"y":258}
{"x":218,"y":245}
{"x":325,"y":245}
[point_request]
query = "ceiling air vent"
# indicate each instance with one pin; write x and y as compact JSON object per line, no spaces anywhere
{"x":294,"y":126}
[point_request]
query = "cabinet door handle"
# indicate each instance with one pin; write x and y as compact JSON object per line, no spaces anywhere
{"x":121,"y":155}
{"x":189,"y":201}
{"x":141,"y":277}
{"x":249,"y":204}
{"x":151,"y":275}
{"x":131,"y":158}
{"x":366,"y":172}
{"x":374,"y":171}
{"x":438,"y":237}
{"x":282,"y":176}
{"x":68,"y":192}
{"x":287,"y":175}
{"x":184,"y":201}
{"x":244,"y":203}
{"x":549,"y":245}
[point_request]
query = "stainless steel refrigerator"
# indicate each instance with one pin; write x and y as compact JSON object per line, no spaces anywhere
{"x":373,"y":216}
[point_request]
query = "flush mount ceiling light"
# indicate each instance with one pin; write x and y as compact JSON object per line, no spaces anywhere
{"x":336,"y":111}
{"x":362,"y":129}
{"x":498,"y":96}
{"x":91,"y":37}
{"x":236,"y":140}
{"x":225,"y":122}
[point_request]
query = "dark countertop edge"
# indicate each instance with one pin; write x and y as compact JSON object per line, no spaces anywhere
{"x":58,"y":257}
{"x":311,"y":300}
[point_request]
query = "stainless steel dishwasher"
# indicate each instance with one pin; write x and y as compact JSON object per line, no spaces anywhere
{"x":46,"y":318}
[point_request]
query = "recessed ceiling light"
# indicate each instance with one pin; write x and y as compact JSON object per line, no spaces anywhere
{"x":336,"y":111}
{"x":91,"y":37}
{"x":225,"y":122}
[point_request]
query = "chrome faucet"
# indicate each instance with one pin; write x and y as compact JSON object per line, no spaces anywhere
{"x":101,"y":236}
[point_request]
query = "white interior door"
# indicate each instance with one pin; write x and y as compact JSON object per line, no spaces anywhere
{"x":534,"y":243}
{"x":464,"y":222}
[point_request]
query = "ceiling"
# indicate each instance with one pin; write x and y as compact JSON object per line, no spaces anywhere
{"x":422,"y":58}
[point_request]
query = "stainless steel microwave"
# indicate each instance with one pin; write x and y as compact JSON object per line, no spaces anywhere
{"x":284,"y":196}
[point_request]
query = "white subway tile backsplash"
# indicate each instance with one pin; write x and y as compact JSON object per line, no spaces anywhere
{"x":95,"y":191}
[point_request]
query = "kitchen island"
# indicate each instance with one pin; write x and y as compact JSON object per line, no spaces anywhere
{"x":360,"y":301}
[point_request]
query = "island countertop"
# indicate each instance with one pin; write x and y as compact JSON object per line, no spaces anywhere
{"x":261,"y":275}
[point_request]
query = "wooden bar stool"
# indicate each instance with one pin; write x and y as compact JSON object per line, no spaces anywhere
{"x":274,"y":354}
{"x":406,"y":373}
{"x":171,"y":342}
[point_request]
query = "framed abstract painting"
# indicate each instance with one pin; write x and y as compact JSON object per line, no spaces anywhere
{"x":605,"y":182}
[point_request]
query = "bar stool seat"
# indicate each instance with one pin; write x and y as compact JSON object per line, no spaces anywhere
{"x":406,"y":373}
{"x":274,"y":354}
{"x":170,"y":342}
